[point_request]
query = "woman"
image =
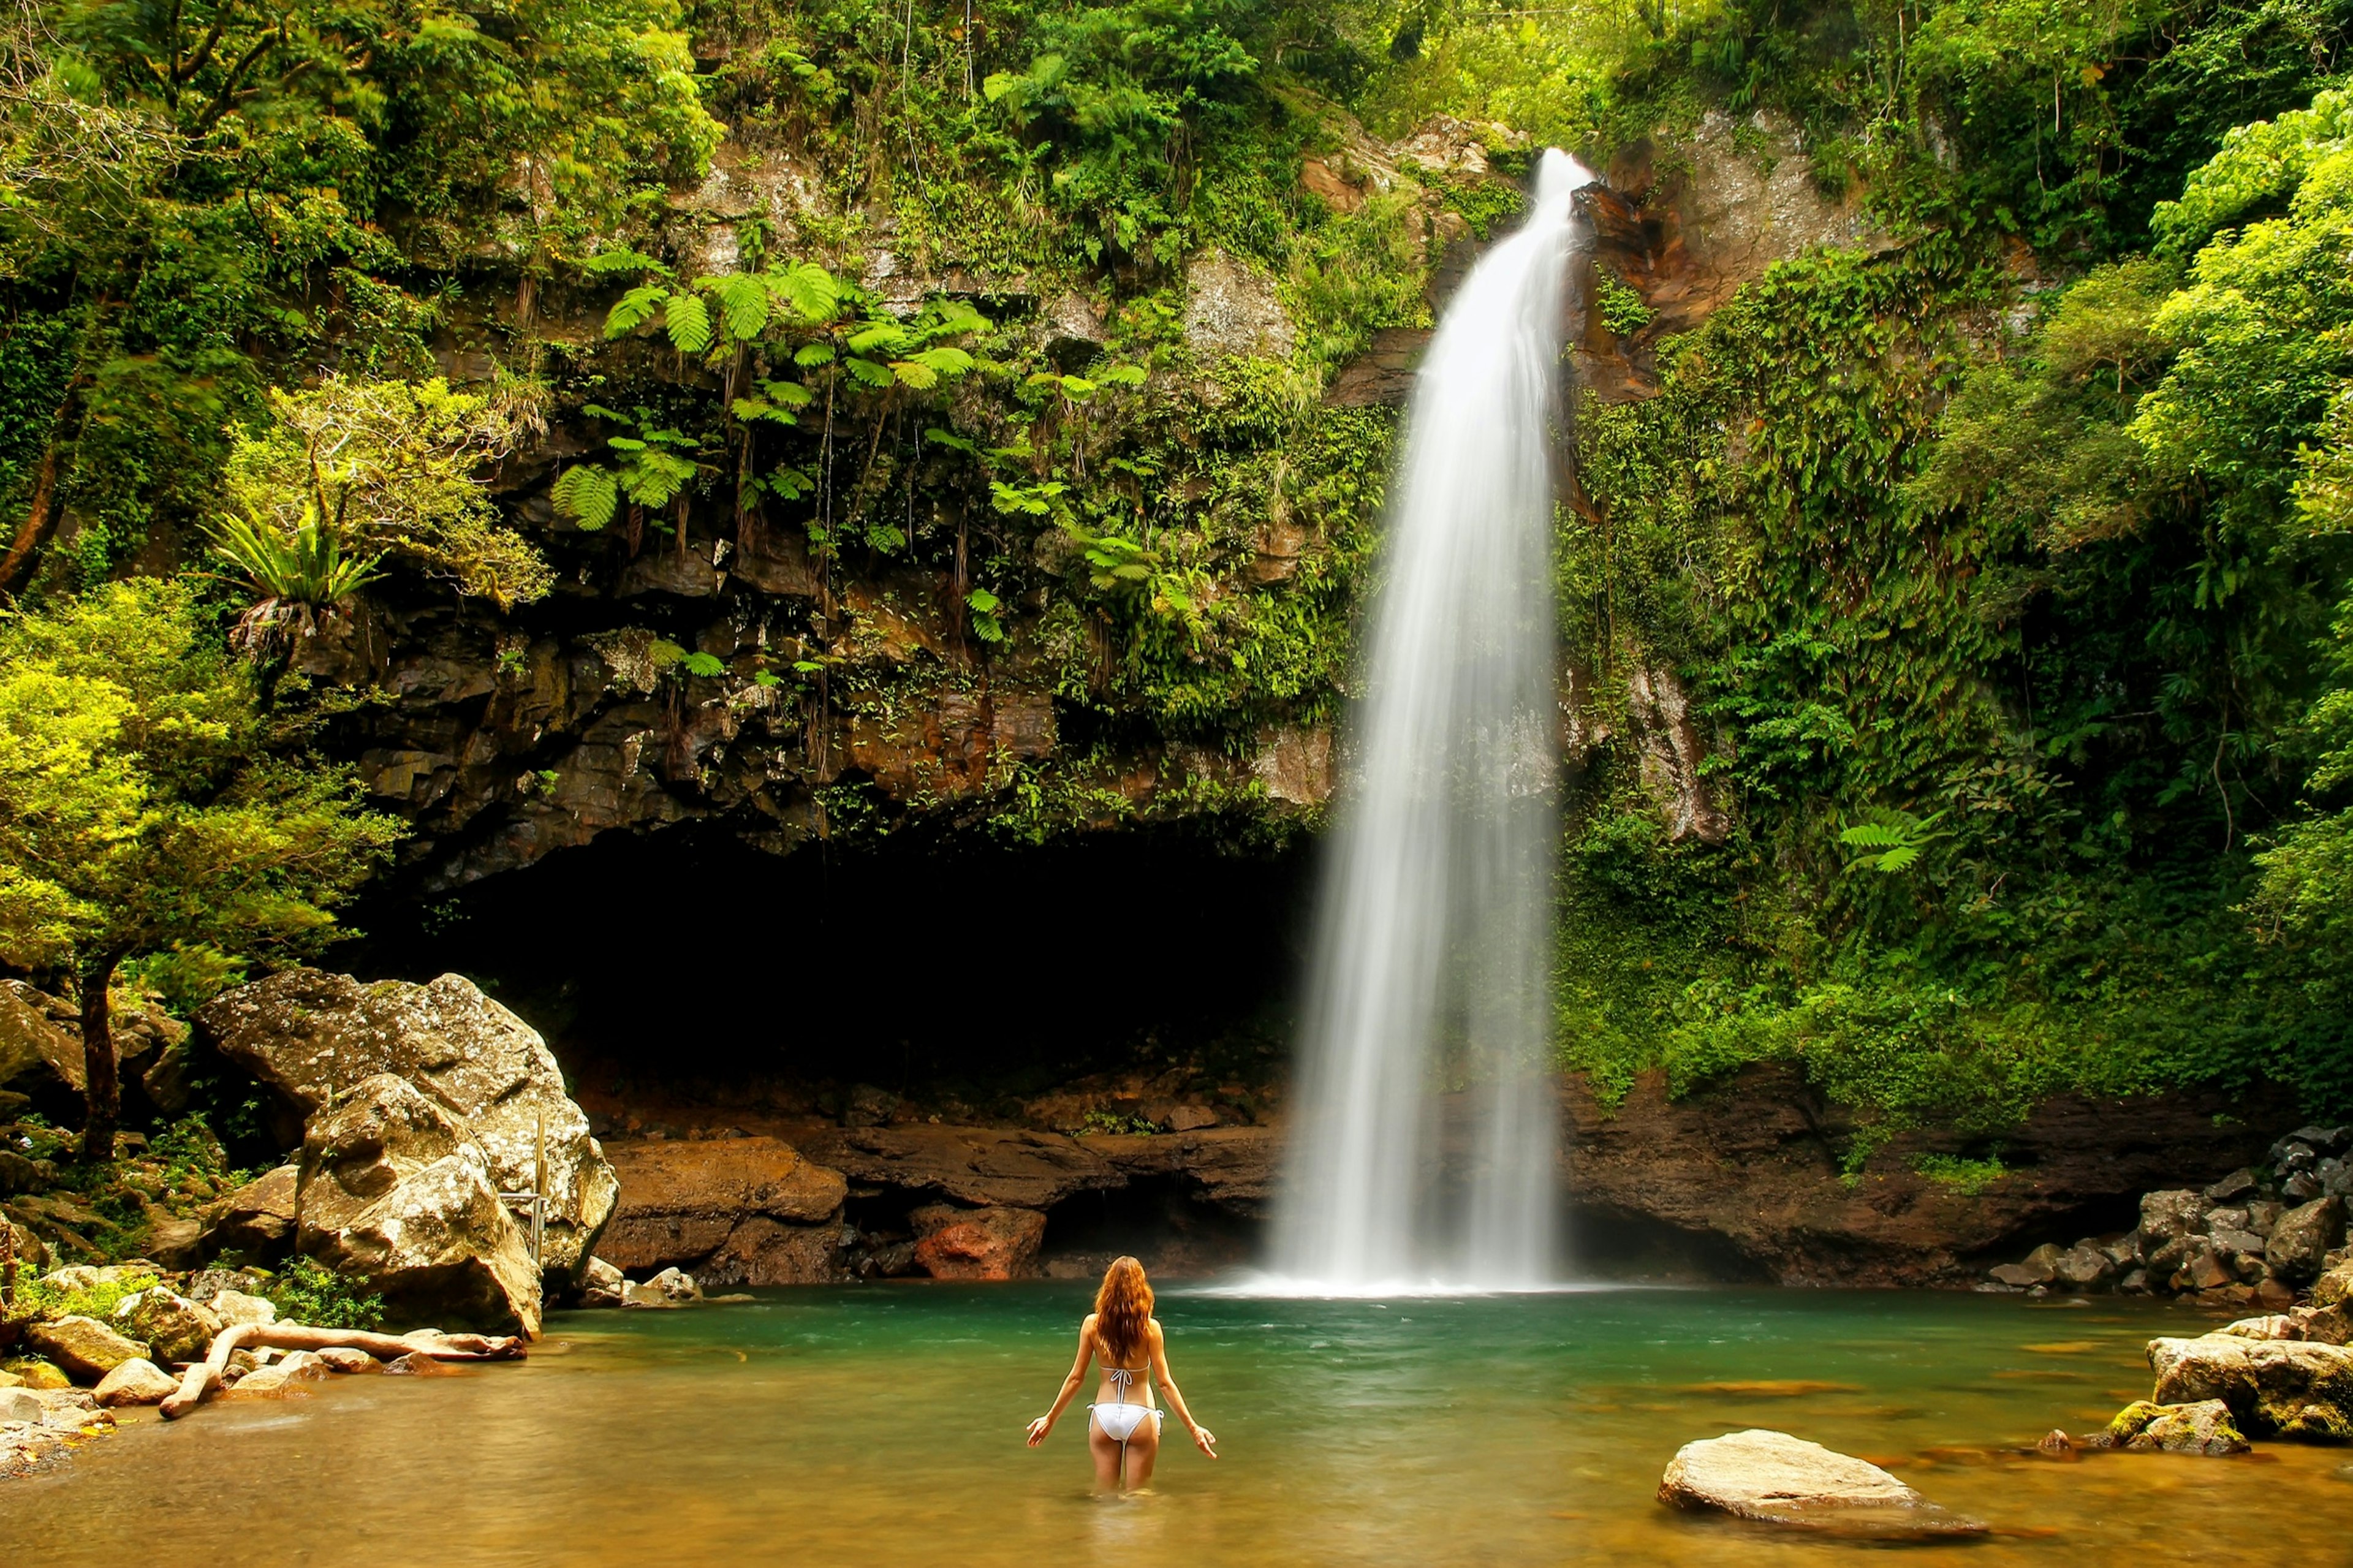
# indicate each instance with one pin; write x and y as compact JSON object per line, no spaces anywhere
{"x":1123,"y":1428}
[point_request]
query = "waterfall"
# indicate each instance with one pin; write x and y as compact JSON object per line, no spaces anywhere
{"x":1434,"y":930}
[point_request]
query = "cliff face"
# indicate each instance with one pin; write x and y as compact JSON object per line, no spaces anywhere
{"x":504,"y":737}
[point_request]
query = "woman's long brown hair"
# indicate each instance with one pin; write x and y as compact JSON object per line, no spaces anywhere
{"x":1123,"y":1310}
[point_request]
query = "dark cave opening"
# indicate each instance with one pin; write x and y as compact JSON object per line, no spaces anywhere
{"x":689,"y":962}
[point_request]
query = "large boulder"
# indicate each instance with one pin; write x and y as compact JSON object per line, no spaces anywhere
{"x":257,"y":1221}
{"x":177,"y":1328}
{"x":395,"y":1193}
{"x":1775,"y":1478}
{"x":87,"y":1348}
{"x":736,"y":1211}
{"x":306,"y":1033}
{"x":37,"y":1056}
{"x":977,"y":1244}
{"x":2283,"y":1388}
{"x":2301,"y":1238}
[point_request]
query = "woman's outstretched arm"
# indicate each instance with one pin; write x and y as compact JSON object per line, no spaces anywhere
{"x":1203,"y":1438}
{"x":1045,"y":1424}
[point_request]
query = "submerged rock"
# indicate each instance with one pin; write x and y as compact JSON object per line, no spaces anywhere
{"x":2274,"y":1388}
{"x":310,"y":1035}
{"x":1776,"y":1479}
{"x":397,"y":1195}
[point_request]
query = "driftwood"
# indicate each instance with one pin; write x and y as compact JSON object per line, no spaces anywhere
{"x":209,"y":1373}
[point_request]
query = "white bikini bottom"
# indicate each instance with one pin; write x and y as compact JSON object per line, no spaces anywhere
{"x":1119,"y":1422}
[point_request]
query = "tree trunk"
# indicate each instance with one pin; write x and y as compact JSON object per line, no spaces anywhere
{"x":205,"y":1376}
{"x":101,"y":1083}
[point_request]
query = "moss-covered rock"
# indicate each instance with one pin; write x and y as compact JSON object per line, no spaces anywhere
{"x":2274,"y":1388}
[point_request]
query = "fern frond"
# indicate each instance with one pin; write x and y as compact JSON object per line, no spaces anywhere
{"x":687,"y":321}
{"x":743,"y":303}
{"x":587,"y":494}
{"x":634,"y":310}
{"x":814,"y":293}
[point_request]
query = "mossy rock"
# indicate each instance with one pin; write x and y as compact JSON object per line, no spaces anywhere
{"x":41,"y":1374}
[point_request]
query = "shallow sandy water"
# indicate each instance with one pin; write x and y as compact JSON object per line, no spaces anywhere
{"x":882,"y":1426}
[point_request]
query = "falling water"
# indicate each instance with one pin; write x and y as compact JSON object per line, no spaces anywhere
{"x":1434,"y":932}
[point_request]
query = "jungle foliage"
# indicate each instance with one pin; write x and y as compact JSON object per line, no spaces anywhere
{"x":2004,"y":565}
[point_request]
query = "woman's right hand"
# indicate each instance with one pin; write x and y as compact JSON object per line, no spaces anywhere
{"x":1206,"y":1440}
{"x":1039,"y":1428}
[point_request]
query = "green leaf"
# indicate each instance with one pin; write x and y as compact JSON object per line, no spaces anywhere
{"x":687,"y":321}
{"x":813,"y":294}
{"x":811,"y":355}
{"x":634,"y":310}
{"x":587,"y":494}
{"x":743,"y":303}
{"x":705,"y":664}
{"x":871,"y":374}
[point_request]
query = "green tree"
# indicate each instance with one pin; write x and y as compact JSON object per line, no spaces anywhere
{"x":143,"y":806}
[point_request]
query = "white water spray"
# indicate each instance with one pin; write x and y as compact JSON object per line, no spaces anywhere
{"x":1435,"y":928}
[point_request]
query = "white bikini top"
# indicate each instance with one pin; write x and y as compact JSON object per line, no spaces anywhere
{"x":1122,"y":1376}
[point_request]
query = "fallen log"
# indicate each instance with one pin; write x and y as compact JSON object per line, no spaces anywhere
{"x":208,"y":1375}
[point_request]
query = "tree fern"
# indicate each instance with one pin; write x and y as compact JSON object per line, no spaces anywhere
{"x":587,"y":494}
{"x":687,"y":321}
{"x":743,"y":303}
{"x":634,"y":310}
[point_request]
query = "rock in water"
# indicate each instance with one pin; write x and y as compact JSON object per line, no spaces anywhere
{"x":138,"y":1381}
{"x":86,"y":1348}
{"x":1775,"y":1478}
{"x":396,"y":1194}
{"x":600,"y":1284}
{"x":306,"y":1033}
{"x":2274,"y":1388}
{"x":2204,"y":1427}
{"x":977,"y":1244}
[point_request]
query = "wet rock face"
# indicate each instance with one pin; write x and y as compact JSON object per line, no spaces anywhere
{"x":1751,"y":1162}
{"x":396,"y":1194}
{"x":306,"y":1034}
{"x":1772,"y":1478}
{"x":733,"y":1211}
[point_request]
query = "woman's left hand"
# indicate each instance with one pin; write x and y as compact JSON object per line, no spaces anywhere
{"x":1039,"y":1428}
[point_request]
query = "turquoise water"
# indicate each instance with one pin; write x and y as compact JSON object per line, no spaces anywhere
{"x":882,"y":1425}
